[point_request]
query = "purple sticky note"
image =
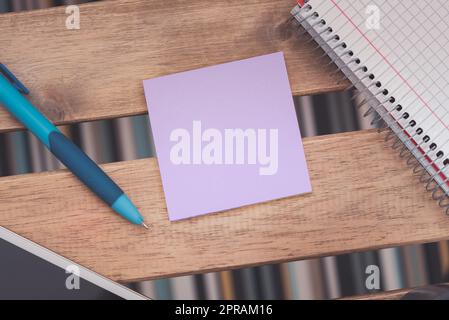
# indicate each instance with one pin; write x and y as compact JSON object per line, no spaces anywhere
{"x":226,"y":136}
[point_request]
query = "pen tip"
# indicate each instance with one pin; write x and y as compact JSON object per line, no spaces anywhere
{"x":144,"y":225}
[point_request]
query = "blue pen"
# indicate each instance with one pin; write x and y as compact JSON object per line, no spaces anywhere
{"x":11,"y":90}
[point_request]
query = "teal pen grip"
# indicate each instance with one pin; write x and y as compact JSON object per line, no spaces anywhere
{"x":84,"y":168}
{"x":93,"y":176}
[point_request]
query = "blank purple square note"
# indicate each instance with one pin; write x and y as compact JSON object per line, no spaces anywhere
{"x":226,"y":136}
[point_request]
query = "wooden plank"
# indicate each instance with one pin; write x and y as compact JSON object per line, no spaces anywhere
{"x":363,"y":197}
{"x":96,"y":72}
{"x":388,"y":295}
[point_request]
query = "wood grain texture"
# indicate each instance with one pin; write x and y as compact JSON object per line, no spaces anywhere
{"x":388,"y":295}
{"x":96,"y":72}
{"x":363,"y":198}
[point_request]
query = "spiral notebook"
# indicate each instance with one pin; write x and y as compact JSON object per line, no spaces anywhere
{"x":396,"y":54}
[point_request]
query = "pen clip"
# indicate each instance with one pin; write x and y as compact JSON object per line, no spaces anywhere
{"x":14,"y":81}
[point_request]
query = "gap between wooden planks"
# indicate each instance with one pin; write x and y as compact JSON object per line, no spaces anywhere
{"x":364,"y":197}
{"x":96,"y":72}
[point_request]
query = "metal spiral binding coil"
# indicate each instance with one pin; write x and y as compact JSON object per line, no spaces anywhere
{"x":381,"y":104}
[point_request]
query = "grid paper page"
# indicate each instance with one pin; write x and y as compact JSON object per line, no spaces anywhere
{"x":408,"y":52}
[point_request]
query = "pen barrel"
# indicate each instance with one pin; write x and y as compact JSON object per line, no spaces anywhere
{"x":84,"y":168}
{"x":67,"y":152}
{"x":25,"y":112}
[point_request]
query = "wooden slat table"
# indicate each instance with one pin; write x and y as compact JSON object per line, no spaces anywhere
{"x":363,"y":196}
{"x":96,"y":72}
{"x":391,"y":295}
